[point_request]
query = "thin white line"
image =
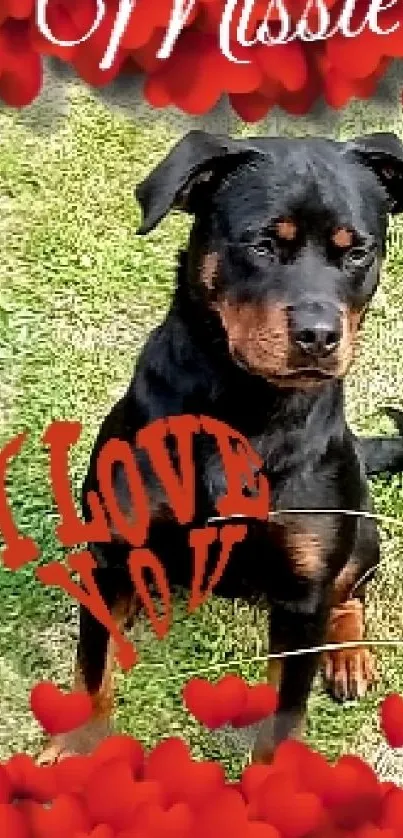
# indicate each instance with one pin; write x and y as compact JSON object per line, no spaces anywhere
{"x":328,"y":647}
{"x":278,"y":512}
{"x":363,"y":578}
{"x":331,"y":647}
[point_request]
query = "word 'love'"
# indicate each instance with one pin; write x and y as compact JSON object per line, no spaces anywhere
{"x":175,"y":474}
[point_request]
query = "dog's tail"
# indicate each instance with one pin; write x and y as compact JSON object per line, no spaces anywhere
{"x":383,"y":454}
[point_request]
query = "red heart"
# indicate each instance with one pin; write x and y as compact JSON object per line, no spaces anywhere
{"x":391,"y":717}
{"x":65,"y":817}
{"x":386,"y":787}
{"x":369,"y":830}
{"x":101,"y":831}
{"x":253,"y":778}
{"x":294,"y":816}
{"x":133,"y":832}
{"x":392,"y":810}
{"x":72,"y":773}
{"x":58,"y":712}
{"x":363,"y":769}
{"x":214,"y":705}
{"x":29,"y":780}
{"x":276,"y":801}
{"x":261,"y":702}
{"x":199,"y":697}
{"x":310,"y":770}
{"x":354,"y":795}
{"x":165,"y":756}
{"x":12,"y":823}
{"x":224,"y":814}
{"x":167,"y":763}
{"x":5,"y":785}
{"x":256,"y":829}
{"x":180,"y":778}
{"x":122,"y":748}
{"x":112,"y":796}
{"x":156,"y":822}
{"x":203,"y":781}
{"x":278,"y":786}
{"x":231,"y":697}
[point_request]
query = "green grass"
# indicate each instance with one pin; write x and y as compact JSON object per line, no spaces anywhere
{"x":79,"y":293}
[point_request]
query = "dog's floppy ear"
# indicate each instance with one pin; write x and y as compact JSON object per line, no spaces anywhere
{"x":190,"y":169}
{"x":383,"y":153}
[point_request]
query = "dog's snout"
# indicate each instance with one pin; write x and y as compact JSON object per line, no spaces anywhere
{"x":315,"y":329}
{"x":319,"y":340}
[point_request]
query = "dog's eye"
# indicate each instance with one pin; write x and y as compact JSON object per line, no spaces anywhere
{"x":359,"y":255}
{"x":264,"y":247}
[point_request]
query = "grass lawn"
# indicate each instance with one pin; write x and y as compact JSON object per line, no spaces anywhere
{"x":79,"y":294}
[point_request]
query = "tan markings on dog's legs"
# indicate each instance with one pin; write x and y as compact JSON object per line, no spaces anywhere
{"x":348,"y":672}
{"x":84,"y":739}
{"x":295,"y":721}
{"x":123,"y":612}
{"x":344,"y":583}
{"x":274,"y":672}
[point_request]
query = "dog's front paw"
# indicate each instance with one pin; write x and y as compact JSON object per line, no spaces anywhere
{"x":349,"y":673}
{"x":350,"y":670}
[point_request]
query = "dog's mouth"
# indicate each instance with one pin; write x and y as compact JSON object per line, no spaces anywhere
{"x":303,"y":375}
{"x":306,"y":373}
{"x":300,"y":379}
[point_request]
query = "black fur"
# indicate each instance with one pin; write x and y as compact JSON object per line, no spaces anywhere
{"x":237,"y":190}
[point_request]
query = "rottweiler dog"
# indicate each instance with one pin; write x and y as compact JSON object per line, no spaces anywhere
{"x":283,"y":259}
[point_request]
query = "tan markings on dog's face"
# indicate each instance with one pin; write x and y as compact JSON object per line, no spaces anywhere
{"x":286,"y":230}
{"x":209,"y":270}
{"x":351,"y":322}
{"x":342,"y":238}
{"x":257,"y":334}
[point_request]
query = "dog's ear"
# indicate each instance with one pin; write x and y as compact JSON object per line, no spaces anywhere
{"x":184,"y":179}
{"x":383,"y":153}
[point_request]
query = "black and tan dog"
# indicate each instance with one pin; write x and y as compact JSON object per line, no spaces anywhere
{"x":283,"y":260}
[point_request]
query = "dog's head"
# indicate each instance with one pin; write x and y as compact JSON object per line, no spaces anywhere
{"x":287,"y":244}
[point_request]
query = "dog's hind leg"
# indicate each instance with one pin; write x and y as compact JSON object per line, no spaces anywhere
{"x":94,"y":664}
{"x":349,"y":672}
{"x":383,"y":454}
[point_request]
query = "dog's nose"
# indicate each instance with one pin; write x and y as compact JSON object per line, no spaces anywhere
{"x":315,"y":329}
{"x":320,"y":341}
